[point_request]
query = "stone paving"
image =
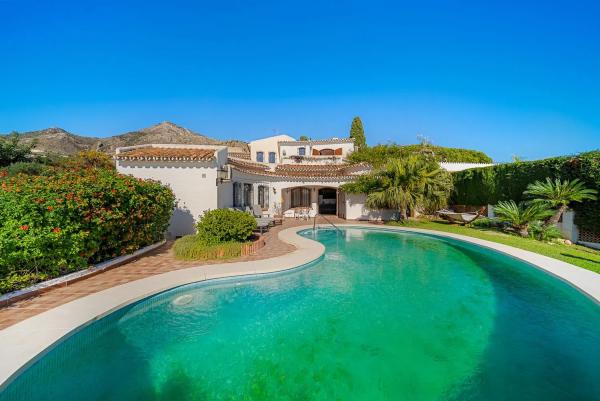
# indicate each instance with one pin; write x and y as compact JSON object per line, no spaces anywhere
{"x":159,"y":261}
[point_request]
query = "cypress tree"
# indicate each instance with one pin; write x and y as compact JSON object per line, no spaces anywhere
{"x":358,"y":133}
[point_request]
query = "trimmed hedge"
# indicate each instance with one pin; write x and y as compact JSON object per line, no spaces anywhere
{"x":489,"y":185}
{"x":380,"y":154}
{"x":55,"y":224}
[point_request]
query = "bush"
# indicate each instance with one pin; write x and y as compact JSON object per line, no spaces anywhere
{"x":27,"y":168}
{"x":224,"y":225}
{"x":13,"y":150}
{"x":488,"y":185}
{"x":543,"y":232}
{"x":484,"y":222}
{"x":191,"y":247}
{"x":51,"y":225}
{"x":88,"y":159}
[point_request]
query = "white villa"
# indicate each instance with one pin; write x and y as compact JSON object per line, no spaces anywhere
{"x":278,"y":174}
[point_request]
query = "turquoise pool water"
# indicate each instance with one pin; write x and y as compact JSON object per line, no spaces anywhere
{"x":382,"y":316}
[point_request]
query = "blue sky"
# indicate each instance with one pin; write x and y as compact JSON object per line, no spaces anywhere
{"x":505,"y":77}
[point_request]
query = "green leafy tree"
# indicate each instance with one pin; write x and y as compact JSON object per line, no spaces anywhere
{"x":407,"y":184}
{"x":358,"y":133}
{"x":12,"y":149}
{"x":559,"y":194}
{"x":521,"y":215}
{"x":304,"y":138}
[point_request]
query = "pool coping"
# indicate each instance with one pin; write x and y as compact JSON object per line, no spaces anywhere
{"x":23,"y":342}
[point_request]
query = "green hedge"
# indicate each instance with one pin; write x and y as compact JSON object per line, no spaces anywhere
{"x":380,"y":154}
{"x":489,"y":185}
{"x":58,"y":223}
{"x":225,"y":225}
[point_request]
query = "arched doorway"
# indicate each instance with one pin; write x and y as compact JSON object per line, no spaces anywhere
{"x":327,"y":201}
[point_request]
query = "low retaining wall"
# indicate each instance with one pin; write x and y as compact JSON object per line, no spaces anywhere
{"x":71,"y":278}
{"x":252,"y":248}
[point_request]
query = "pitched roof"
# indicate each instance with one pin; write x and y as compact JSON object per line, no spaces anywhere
{"x":330,"y":141}
{"x":297,"y":170}
{"x":167,"y":154}
{"x":240,"y":155}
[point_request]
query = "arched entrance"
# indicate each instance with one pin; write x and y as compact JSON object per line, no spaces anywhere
{"x":327,"y":201}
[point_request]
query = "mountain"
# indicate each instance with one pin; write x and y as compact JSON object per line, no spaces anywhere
{"x":59,"y":141}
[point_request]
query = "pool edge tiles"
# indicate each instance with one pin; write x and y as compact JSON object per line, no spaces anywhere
{"x":22,"y":343}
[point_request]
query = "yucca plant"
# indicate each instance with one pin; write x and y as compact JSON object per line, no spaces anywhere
{"x":522,"y":215}
{"x":558,"y":195}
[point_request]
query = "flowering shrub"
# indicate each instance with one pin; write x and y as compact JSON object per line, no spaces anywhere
{"x":58,"y":223}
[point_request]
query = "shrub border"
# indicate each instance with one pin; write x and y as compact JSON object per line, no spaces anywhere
{"x":63,"y":281}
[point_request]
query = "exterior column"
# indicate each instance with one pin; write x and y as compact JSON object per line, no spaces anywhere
{"x":314,"y":199}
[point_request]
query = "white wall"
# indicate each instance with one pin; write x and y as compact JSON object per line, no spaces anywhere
{"x":347,"y":147}
{"x":462,"y":166}
{"x":267,"y":145}
{"x":567,"y":226}
{"x":193,"y":183}
{"x":356,"y":210}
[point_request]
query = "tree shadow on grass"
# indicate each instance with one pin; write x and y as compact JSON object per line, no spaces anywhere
{"x":580,"y":258}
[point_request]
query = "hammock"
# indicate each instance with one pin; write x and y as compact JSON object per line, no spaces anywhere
{"x":461,"y":218}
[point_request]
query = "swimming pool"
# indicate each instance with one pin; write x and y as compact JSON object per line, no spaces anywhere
{"x":382,"y":316}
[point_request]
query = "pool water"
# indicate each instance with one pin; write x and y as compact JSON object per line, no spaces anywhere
{"x":382,"y":316}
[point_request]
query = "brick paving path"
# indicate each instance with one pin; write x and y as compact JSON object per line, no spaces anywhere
{"x":159,"y":261}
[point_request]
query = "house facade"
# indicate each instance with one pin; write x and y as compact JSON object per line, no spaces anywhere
{"x":278,"y":174}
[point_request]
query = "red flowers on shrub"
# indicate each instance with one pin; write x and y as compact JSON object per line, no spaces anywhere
{"x":93,"y":226}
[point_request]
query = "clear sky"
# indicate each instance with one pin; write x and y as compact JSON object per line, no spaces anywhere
{"x":507,"y":78}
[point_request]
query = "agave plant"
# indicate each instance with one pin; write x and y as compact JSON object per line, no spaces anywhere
{"x":522,"y":215}
{"x":558,"y":195}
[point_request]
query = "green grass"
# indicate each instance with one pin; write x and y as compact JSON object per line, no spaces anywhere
{"x":191,"y":247}
{"x":574,"y":254}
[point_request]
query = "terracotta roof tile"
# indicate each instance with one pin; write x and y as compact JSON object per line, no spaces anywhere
{"x":167,"y":154}
{"x":295,"y":170}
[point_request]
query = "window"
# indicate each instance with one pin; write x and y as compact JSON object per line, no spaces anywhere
{"x":237,"y":194}
{"x":271,"y":157}
{"x":327,"y":152}
{"x":263,"y":196}
{"x":301,"y":151}
{"x":300,"y":197}
{"x":260,"y":156}
{"x":247,"y":195}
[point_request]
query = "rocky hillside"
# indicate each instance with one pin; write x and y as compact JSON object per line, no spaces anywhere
{"x":59,"y":141}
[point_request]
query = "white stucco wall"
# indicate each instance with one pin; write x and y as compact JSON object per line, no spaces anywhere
{"x":193,"y":183}
{"x":462,"y":166}
{"x":267,"y":145}
{"x":356,"y":210}
{"x":567,"y":226}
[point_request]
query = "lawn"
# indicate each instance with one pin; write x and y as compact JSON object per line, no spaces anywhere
{"x":577,"y":255}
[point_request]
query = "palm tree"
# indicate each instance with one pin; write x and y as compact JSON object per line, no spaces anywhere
{"x":559,"y":194}
{"x":522,"y":215}
{"x":404,"y":184}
